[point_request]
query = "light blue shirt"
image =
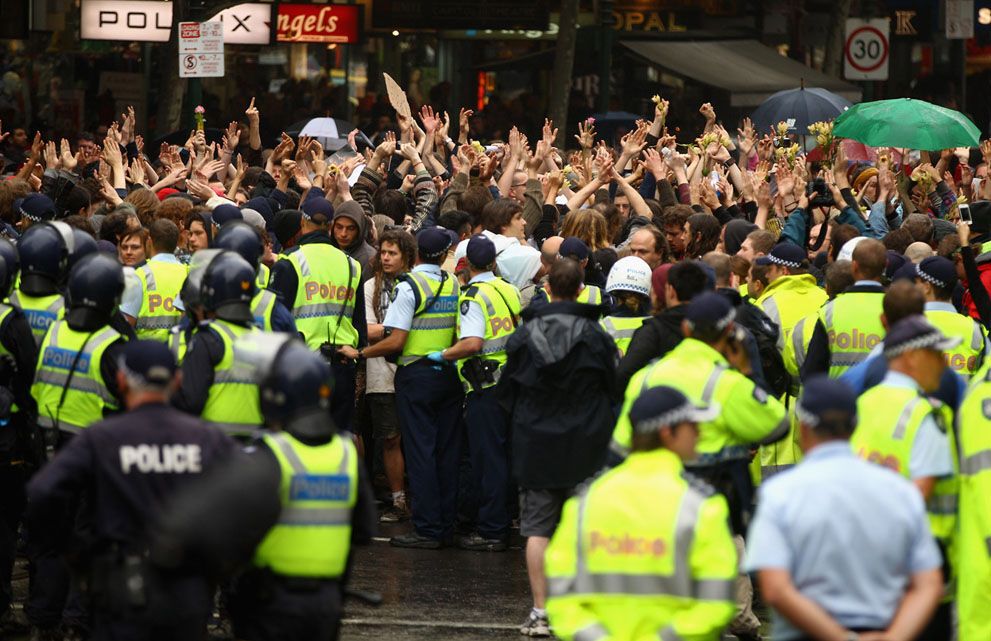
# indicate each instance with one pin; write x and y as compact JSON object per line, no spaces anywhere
{"x":165,"y":257}
{"x":860,"y":283}
{"x":401,"y":310}
{"x":930,"y":454}
{"x":472,"y":316}
{"x":849,"y":533}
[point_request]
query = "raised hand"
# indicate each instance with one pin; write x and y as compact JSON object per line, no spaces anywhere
{"x":430,"y":120}
{"x":252,"y":111}
{"x":549,"y":132}
{"x":586,"y":134}
{"x":748,"y":137}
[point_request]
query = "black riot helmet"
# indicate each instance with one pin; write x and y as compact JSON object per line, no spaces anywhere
{"x":12,"y":265}
{"x":44,"y":253}
{"x":228,"y":287}
{"x":295,"y":390}
{"x":242,"y":238}
{"x":95,"y":287}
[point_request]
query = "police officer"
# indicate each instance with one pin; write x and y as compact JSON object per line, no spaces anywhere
{"x":44,"y":257}
{"x":269,"y":313}
{"x":490,"y":309}
{"x":711,"y":366}
{"x":130,"y":465}
{"x":421,"y":320}
{"x":294,"y":589}
{"x":612,"y":574}
{"x":161,"y":278}
{"x":629,"y":285}
{"x":75,"y":385}
{"x":938,"y":278}
{"x":576,"y":249}
{"x":841,"y":547}
{"x":19,"y":445}
{"x":320,"y":284}
{"x":791,"y":293}
{"x":905,"y":431}
{"x":217,"y":381}
{"x":849,"y":326}
{"x":973,"y":429}
{"x":34,"y":209}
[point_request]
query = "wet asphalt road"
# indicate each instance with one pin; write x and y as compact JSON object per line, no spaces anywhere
{"x":442,"y":595}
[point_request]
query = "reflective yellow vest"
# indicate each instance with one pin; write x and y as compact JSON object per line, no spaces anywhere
{"x":66,"y":350}
{"x":500,"y":302}
{"x":261,"y":309}
{"x":967,"y":357}
{"x":41,"y":311}
{"x":161,"y":283}
{"x":319,"y":489}
{"x":177,"y":344}
{"x":853,"y":326}
{"x":590,"y":295}
{"x":889,"y":418}
{"x":434,"y":327}
{"x":747,"y":413}
{"x":973,"y":430}
{"x":262,"y":276}
{"x":786,"y":301}
{"x":325,"y":297}
{"x":611,"y":573}
{"x":233,"y":402}
{"x":621,"y":329}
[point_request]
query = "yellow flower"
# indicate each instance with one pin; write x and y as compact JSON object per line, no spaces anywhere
{"x":656,"y":99}
{"x":782,"y":128}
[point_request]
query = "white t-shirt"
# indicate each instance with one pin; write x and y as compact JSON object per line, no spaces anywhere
{"x":380,"y":374}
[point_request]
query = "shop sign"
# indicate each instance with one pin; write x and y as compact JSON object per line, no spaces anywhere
{"x":647,"y":21}
{"x":336,"y":23}
{"x":131,"y":20}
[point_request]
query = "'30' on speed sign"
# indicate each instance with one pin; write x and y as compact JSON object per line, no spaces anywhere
{"x":866,"y":51}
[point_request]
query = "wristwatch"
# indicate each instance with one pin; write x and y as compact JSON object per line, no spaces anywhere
{"x":852,"y":636}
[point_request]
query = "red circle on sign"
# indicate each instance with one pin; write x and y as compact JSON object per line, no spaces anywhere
{"x":884,"y":49}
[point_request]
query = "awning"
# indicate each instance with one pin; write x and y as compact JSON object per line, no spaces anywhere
{"x":750,"y":71}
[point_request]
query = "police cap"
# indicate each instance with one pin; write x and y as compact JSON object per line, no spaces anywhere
{"x":572,"y":247}
{"x":433,"y":242}
{"x":225,"y":213}
{"x":151,"y":362}
{"x":709,"y":311}
{"x":826,"y":399}
{"x":784,"y":255}
{"x":319,"y":210}
{"x":938,"y":271}
{"x":37,"y":207}
{"x":665,"y":406}
{"x":481,"y":251}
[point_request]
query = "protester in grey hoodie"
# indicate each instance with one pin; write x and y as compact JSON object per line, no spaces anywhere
{"x":350,"y":231}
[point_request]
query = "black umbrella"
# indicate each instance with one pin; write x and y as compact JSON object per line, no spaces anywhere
{"x":332,"y":133}
{"x":803,"y":106}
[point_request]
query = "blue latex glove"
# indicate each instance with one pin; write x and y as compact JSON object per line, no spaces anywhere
{"x":436,"y":357}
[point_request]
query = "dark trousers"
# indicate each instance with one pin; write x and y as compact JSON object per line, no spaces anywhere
{"x":12,"y":500}
{"x":279,"y":612}
{"x":177,"y":610}
{"x":342,"y":395}
{"x":429,"y":400}
{"x":488,"y":442}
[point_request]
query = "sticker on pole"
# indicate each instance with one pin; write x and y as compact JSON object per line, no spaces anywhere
{"x":201,"y":49}
{"x":866,"y":51}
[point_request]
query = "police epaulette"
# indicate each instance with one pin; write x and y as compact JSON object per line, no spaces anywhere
{"x":698,"y":484}
{"x":471,"y":291}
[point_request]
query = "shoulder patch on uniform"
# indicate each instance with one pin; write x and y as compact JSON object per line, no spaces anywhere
{"x":471,"y":290}
{"x":698,"y":484}
{"x":759,"y":394}
{"x":986,"y":407}
{"x":465,"y":306}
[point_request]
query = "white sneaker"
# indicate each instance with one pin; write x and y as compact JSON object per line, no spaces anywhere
{"x":536,"y":626}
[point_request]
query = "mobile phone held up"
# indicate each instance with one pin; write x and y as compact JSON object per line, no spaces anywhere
{"x":965,"y":216}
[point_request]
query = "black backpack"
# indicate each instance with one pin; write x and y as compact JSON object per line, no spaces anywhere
{"x":765,"y":332}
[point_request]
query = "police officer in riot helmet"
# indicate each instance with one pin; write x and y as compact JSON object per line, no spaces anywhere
{"x":75,"y":386}
{"x":210,"y":387}
{"x":268,"y":311}
{"x":131,"y":465}
{"x":293,"y":590}
{"x":44,"y":259}
{"x":20,"y":448}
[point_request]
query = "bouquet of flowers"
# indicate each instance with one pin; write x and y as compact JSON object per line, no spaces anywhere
{"x":823,"y":132}
{"x":788,"y":153}
{"x":922,"y":177}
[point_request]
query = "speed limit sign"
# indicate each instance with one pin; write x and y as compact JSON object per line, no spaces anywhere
{"x":866,"y":51}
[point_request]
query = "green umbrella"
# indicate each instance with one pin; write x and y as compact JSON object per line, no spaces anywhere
{"x":905,"y":123}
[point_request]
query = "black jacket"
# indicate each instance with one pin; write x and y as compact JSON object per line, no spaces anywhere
{"x":559,"y":387}
{"x":656,"y":337}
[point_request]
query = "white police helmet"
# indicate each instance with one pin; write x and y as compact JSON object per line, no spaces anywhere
{"x":630,"y":274}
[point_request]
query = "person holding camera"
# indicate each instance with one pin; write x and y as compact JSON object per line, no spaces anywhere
{"x":490,"y":310}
